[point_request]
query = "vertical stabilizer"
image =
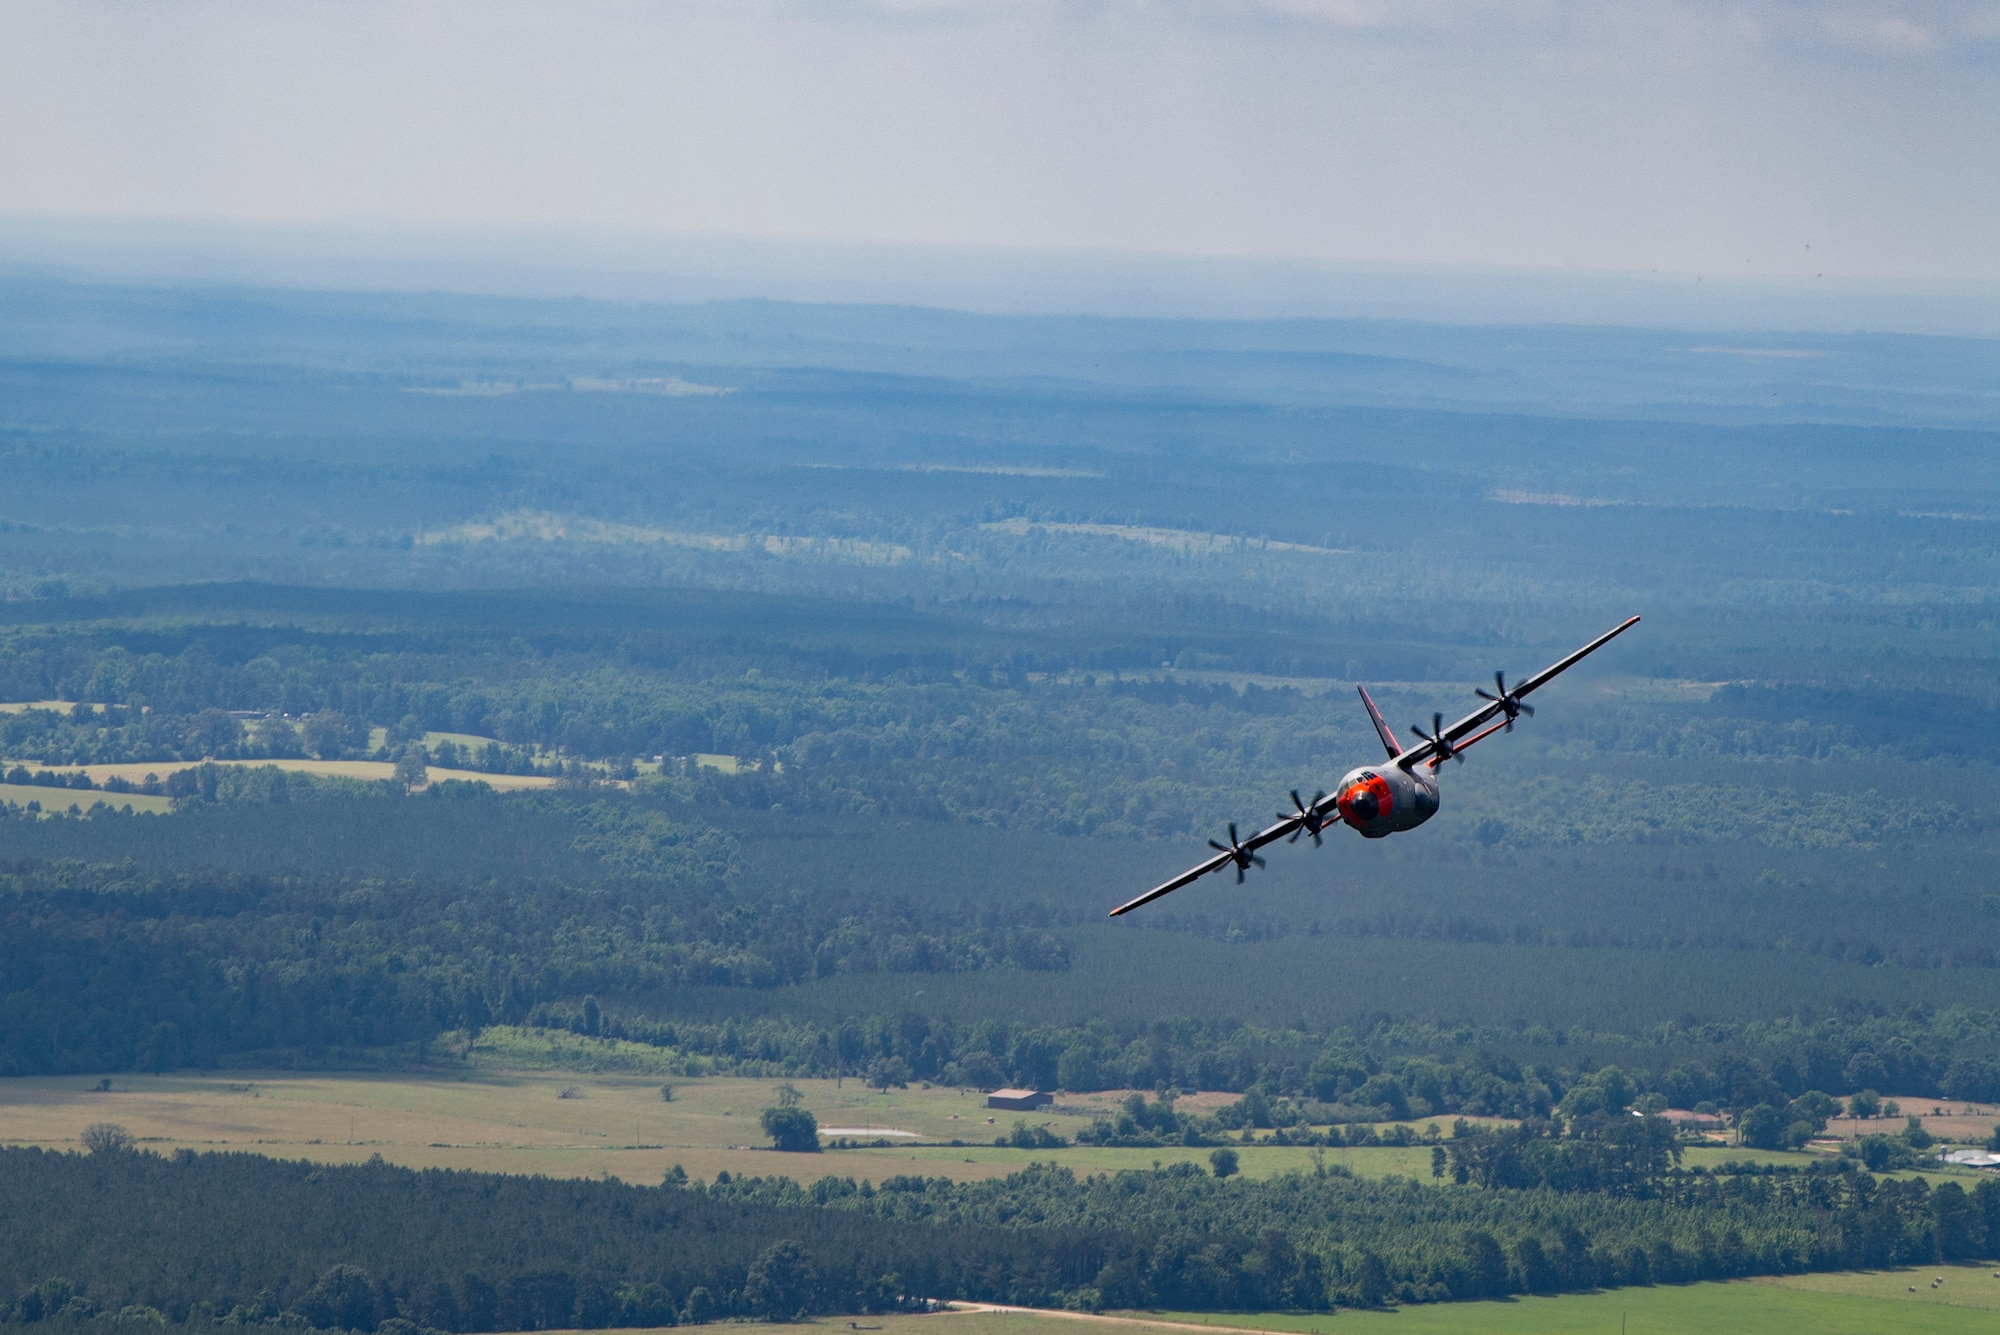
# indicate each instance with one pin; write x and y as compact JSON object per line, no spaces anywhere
{"x":1389,"y":742}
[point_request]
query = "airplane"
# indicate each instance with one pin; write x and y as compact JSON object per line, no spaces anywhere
{"x":1381,"y":800}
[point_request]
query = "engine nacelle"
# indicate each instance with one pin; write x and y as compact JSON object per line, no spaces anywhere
{"x":1383,"y":799}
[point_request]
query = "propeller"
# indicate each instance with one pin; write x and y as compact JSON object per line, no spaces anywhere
{"x":1440,"y":748}
{"x":1510,"y":705}
{"x":1241,"y":856}
{"x":1311,"y":819}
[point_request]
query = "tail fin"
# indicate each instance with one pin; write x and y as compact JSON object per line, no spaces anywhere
{"x":1389,"y":741}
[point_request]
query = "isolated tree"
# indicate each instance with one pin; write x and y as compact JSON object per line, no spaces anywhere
{"x":700,"y":1307}
{"x":412,"y":767}
{"x":1865,"y":1104}
{"x":106,"y":1138}
{"x":1815,"y":1108}
{"x":792,"y":1129}
{"x":1223,"y":1162}
{"x":1762,"y":1128}
{"x":885,"y":1072}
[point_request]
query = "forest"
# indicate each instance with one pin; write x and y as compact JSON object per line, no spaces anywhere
{"x":853,"y":694}
{"x":369,"y":1247}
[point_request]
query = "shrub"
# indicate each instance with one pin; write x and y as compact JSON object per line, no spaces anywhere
{"x":106,"y":1138}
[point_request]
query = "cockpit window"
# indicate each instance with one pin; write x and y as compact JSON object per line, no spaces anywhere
{"x":1366,"y":801}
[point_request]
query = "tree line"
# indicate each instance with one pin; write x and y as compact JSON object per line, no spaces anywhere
{"x":592,"y":913}
{"x":370,"y":1246}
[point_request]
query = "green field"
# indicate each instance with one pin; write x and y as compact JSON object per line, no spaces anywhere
{"x":507,"y":1112}
{"x":1838,"y":1304}
{"x":373,"y":770}
{"x":588,"y":1123}
{"x":62,"y":799}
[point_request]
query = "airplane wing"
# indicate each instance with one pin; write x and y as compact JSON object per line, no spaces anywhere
{"x":1480,"y":717}
{"x":1554,"y":670}
{"x":1188,"y":877}
{"x":1270,"y":834}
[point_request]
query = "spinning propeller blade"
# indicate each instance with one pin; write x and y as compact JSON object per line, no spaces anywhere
{"x":1238,"y":854}
{"x":1310,"y":818}
{"x":1440,"y":748}
{"x":1510,"y":705}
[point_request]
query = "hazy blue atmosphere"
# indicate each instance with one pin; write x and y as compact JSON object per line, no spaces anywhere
{"x":1736,"y":139}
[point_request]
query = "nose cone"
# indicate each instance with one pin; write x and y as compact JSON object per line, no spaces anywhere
{"x":1365,"y":800}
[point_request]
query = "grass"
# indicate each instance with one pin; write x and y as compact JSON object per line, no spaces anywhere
{"x":1714,"y":1156}
{"x":1827,"y":1304}
{"x":484,"y":1117}
{"x":61,"y":799}
{"x":471,"y":739}
{"x":1840,"y":1304}
{"x":503,"y":1112}
{"x":1965,"y":1286}
{"x":501,"y":1109}
{"x":136,"y":771}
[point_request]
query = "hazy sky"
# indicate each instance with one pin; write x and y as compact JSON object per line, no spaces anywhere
{"x":1745,"y":139}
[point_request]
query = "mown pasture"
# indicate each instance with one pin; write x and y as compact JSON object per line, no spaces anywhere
{"x":611,"y":1124}
{"x":614,"y":1123}
{"x":1863,"y":1303}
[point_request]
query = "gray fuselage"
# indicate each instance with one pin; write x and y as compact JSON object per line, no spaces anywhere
{"x":1383,"y":799}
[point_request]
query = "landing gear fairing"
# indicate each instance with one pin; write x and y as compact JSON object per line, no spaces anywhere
{"x":1384,"y":799}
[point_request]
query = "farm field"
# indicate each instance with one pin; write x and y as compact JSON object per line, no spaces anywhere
{"x":615,"y":1124}
{"x":510,"y":1120}
{"x":61,"y":799}
{"x":344,"y":769}
{"x":1828,"y":1304}
{"x":1947,"y":1119}
{"x":1835,"y":1304}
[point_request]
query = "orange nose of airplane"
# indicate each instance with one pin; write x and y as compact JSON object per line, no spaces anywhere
{"x":1365,"y":801}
